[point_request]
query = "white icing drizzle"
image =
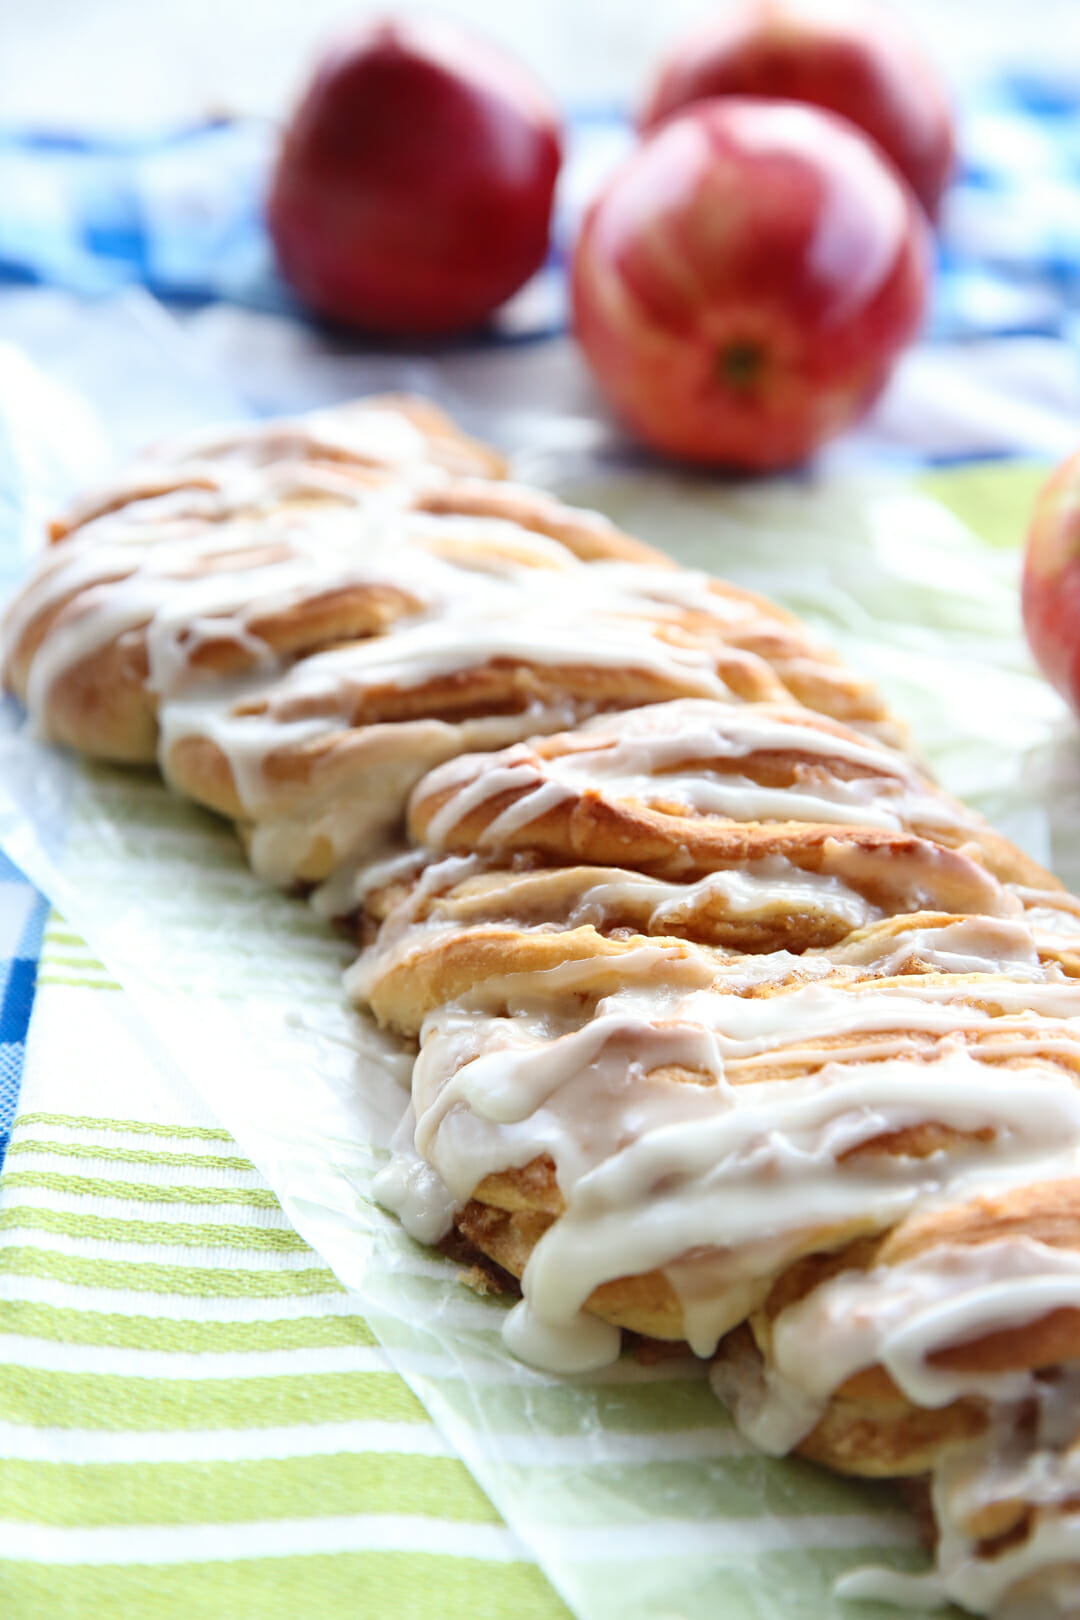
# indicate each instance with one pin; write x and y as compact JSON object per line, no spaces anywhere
{"x":583,"y":1344}
{"x":639,"y":755}
{"x":336,"y":695}
{"x":370,"y":433}
{"x":770,"y":889}
{"x":977,"y":944}
{"x":409,"y":1187}
{"x":343,"y":894}
{"x":210,"y":555}
{"x":772,"y":884}
{"x":1034,"y":1578}
{"x":353,"y":816}
{"x":771,"y":1412}
{"x":215,"y":582}
{"x":468,"y":592}
{"x":651,"y":1169}
{"x":898,"y":1315}
{"x":433,"y":649}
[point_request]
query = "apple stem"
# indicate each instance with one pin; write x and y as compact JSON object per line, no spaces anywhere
{"x":739,"y":364}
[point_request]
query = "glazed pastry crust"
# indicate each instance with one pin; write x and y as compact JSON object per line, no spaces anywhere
{"x":590,"y":824}
{"x":731,"y":1026}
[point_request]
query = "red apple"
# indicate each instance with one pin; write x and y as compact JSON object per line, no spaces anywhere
{"x":747,"y":279}
{"x":849,"y":56}
{"x":414,"y":188}
{"x":1051,"y":583}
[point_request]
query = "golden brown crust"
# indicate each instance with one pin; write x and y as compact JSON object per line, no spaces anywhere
{"x":109,"y":702}
{"x":646,"y":1304}
{"x":189,"y":464}
{"x":520,"y":899}
{"x":1047,"y":1213}
{"x":595,"y":825}
{"x":898,"y":869}
{"x":322,"y":765}
{"x":414,"y":985}
{"x":879,"y":1434}
{"x":588,"y":537}
{"x":457,"y":451}
{"x":760,"y":651}
{"x":870,"y":1426}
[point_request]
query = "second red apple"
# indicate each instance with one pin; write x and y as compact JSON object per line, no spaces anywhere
{"x":746,"y":281}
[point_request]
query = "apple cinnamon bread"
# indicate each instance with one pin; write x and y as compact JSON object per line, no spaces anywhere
{"x":730,"y":1026}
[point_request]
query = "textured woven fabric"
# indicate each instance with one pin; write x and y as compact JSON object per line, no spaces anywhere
{"x":195,"y":1420}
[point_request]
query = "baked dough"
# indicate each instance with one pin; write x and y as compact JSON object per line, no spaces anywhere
{"x":731,"y":1026}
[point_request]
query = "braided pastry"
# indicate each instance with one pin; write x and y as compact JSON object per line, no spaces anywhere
{"x":731,"y":1026}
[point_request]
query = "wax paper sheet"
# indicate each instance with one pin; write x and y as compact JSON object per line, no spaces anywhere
{"x":630,"y":1486}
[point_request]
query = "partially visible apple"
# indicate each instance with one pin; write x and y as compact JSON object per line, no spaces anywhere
{"x":1051,"y":581}
{"x":849,"y":56}
{"x":746,"y":281}
{"x":414,"y":188}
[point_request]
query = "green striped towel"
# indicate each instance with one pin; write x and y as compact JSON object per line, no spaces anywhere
{"x":196,"y":1419}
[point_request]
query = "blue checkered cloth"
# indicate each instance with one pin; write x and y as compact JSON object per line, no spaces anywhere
{"x":22,"y":922}
{"x":180,"y":213}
